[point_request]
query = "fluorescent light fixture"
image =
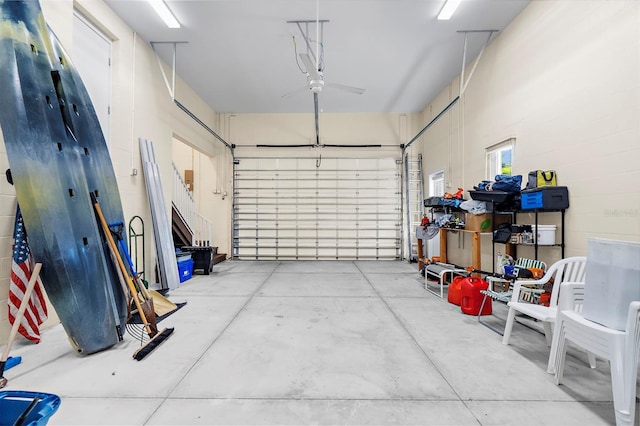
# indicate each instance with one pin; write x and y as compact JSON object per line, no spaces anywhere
{"x":162,"y":9}
{"x":448,"y":9}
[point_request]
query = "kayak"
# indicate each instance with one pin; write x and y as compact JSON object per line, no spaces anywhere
{"x":58,"y":157}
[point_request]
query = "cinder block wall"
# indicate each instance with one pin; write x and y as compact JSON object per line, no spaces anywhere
{"x":562,"y":80}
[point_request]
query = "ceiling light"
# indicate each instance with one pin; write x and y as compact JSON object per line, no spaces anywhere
{"x":163,"y":10}
{"x":448,"y":9}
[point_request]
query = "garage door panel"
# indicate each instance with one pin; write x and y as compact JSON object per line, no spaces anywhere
{"x":348,"y":208}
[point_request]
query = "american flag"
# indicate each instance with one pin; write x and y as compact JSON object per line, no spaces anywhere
{"x":36,"y":311}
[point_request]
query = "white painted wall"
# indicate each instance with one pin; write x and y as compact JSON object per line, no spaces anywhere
{"x":338,"y":129}
{"x":563,"y":79}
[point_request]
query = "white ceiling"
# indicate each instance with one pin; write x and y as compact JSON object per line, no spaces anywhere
{"x":239,"y":56}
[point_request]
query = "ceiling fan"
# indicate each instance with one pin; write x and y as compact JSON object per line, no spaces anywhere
{"x":314,"y":69}
{"x":315,"y":79}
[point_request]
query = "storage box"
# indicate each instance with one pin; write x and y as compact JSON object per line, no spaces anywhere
{"x":202,"y":257}
{"x":545,"y":234}
{"x":546,"y":197}
{"x":185,"y":269}
{"x":442,"y":202}
{"x":612,"y":281}
{"x":14,"y":403}
{"x":496,"y":197}
{"x":432,"y":201}
{"x":484,"y":222}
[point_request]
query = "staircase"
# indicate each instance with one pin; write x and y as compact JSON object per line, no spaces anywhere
{"x":190,"y":228}
{"x":182,"y":233}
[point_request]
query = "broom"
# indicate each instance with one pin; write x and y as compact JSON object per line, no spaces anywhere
{"x":18,"y":320}
{"x":161,"y":305}
{"x":155,"y":338}
{"x":147,"y":303}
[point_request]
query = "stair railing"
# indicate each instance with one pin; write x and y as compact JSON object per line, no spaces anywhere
{"x":203,"y":235}
{"x":183,"y":200}
{"x":201,"y":228}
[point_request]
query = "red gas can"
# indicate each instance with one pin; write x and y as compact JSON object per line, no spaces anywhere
{"x":472,"y":298}
{"x":454,"y":295}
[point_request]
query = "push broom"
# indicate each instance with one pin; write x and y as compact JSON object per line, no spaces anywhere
{"x":156,"y":338}
{"x":18,"y":319}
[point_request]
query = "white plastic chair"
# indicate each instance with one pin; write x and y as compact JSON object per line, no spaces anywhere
{"x":572,"y":299}
{"x":621,"y":348}
{"x":505,"y":296}
{"x":569,"y":269}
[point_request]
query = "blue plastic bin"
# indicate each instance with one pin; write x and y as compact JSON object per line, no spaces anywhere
{"x":185,"y":269}
{"x":14,"y":403}
{"x":545,"y":197}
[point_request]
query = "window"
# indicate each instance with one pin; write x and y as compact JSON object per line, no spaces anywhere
{"x":436,"y":184}
{"x":500,"y":158}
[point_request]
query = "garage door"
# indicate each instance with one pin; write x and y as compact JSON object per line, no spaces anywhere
{"x":287,"y":208}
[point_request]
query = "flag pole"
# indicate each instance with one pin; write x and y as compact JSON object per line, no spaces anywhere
{"x":18,"y":319}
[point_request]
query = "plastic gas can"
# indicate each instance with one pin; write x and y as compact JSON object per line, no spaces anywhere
{"x":454,"y":295}
{"x":472,"y":298}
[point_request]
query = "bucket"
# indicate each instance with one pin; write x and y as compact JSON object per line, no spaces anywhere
{"x":454,"y":295}
{"x":472,"y":298}
{"x":612,"y":281}
{"x":545,"y":234}
{"x":14,"y":403}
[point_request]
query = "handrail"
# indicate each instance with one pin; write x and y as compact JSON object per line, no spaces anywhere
{"x":182,"y":199}
{"x":203,"y":235}
{"x":201,"y":228}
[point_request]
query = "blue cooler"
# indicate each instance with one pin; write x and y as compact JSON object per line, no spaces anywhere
{"x":13,"y":405}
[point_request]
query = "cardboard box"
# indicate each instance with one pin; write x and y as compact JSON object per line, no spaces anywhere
{"x":484,"y":222}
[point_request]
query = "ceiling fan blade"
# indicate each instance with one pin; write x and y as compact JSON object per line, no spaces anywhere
{"x":356,"y":90}
{"x":295,"y":92}
{"x":310,"y":66}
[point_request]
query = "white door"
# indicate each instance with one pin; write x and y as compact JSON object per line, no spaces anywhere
{"x":287,"y":208}
{"x":92,"y":58}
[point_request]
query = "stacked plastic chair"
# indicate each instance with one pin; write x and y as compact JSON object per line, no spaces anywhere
{"x":571,"y":269}
{"x":621,"y":348}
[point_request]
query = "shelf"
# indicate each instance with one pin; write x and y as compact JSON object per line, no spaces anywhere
{"x":468,"y":231}
{"x":476,"y":249}
{"x":535,"y":245}
{"x":510,"y":248}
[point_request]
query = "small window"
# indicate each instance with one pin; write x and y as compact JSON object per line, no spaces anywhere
{"x":436,"y":184}
{"x":500,"y":159}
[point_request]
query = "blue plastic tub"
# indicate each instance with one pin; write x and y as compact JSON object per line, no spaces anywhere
{"x":185,"y":269}
{"x":14,"y":403}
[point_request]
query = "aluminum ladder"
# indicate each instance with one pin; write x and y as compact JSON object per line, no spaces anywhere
{"x":414,"y":198}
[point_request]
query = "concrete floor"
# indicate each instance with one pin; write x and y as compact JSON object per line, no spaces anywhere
{"x":311,"y":342}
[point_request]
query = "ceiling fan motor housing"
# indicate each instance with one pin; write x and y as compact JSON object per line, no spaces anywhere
{"x":316,"y":85}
